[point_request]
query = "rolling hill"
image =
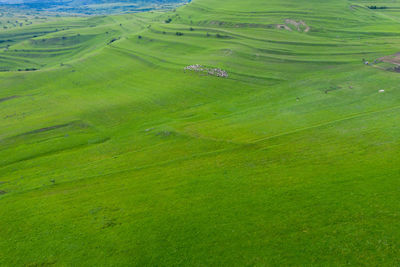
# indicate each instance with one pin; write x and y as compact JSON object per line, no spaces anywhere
{"x":260,"y":133}
{"x":85,"y":7}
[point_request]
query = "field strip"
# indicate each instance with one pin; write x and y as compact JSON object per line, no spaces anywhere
{"x":324,"y":124}
{"x":129,"y":170}
{"x":53,"y":152}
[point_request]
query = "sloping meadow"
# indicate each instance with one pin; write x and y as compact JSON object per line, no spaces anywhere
{"x":219,"y":133}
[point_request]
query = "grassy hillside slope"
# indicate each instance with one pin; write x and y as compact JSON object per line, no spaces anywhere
{"x":81,"y":7}
{"x":112,"y":155}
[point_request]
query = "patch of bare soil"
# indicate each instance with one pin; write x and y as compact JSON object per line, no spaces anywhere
{"x":300,"y":25}
{"x":227,"y":52}
{"x":352,"y":7}
{"x":283,"y":26}
{"x":394,"y":59}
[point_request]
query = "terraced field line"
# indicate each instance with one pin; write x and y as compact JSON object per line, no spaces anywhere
{"x":138,"y":168}
{"x":324,"y":124}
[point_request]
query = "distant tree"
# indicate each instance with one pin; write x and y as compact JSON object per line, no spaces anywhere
{"x":168,"y":20}
{"x":191,"y":29}
{"x":179,"y":33}
{"x":139,"y":37}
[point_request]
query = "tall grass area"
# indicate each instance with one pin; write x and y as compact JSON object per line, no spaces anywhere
{"x":112,"y":155}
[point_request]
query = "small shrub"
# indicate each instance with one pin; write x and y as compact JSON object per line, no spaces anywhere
{"x":112,"y":40}
{"x":376,"y":7}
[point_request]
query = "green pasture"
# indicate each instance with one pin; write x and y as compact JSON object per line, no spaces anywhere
{"x":112,"y":155}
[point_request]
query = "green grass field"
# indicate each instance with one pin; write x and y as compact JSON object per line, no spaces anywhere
{"x":112,"y":155}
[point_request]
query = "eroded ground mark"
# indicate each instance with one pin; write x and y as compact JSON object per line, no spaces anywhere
{"x":300,"y":25}
{"x":8,"y":98}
